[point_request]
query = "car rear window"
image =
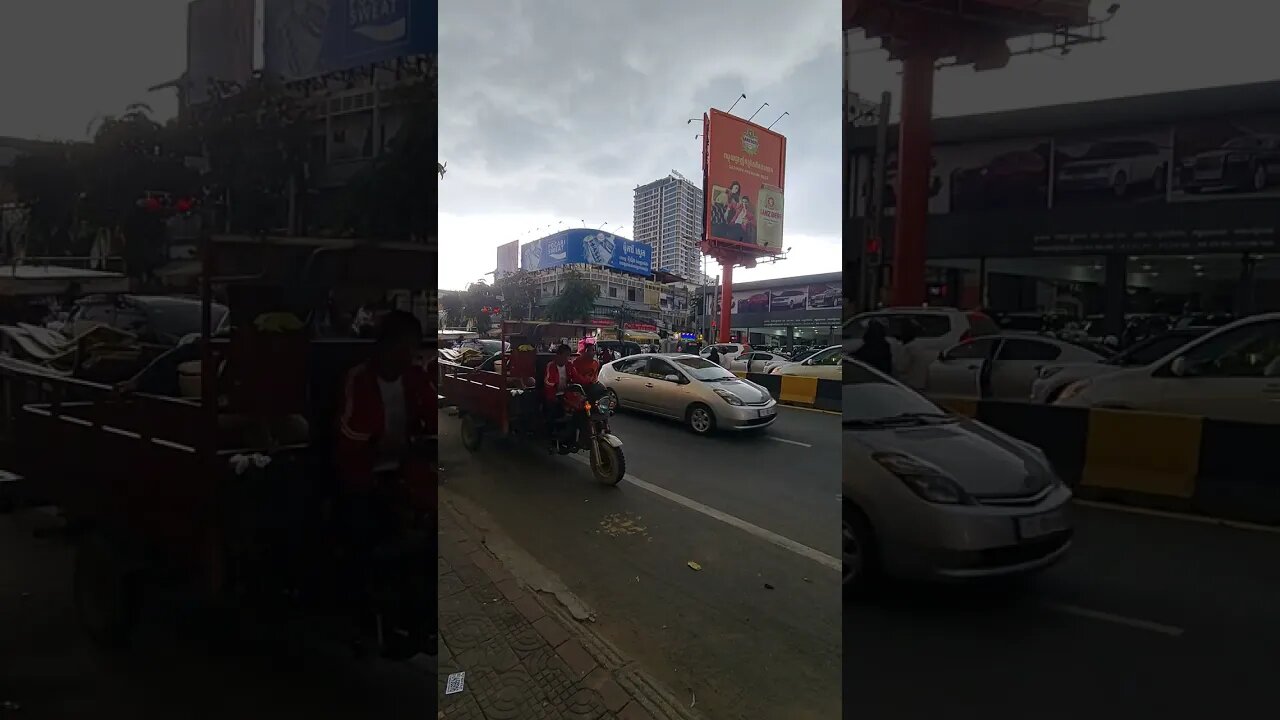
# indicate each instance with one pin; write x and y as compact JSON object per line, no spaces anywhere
{"x":929,"y":325}
{"x":981,"y":324}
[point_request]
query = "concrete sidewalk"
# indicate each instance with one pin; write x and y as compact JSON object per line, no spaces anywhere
{"x":523,"y":657}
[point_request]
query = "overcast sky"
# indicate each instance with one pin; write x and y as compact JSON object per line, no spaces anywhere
{"x":557,"y":110}
{"x":64,"y":62}
{"x":1151,"y":46}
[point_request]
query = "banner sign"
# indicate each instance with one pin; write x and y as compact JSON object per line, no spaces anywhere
{"x":745,"y":175}
{"x":309,"y":38}
{"x":508,"y":259}
{"x":219,"y":45}
{"x":589,"y":247}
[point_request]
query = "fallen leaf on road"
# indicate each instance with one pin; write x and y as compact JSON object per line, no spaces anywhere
{"x":767,"y":586}
{"x":694,"y":565}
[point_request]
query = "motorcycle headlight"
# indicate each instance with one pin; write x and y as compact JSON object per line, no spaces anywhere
{"x":728,"y":396}
{"x":1073,"y":390}
{"x":926,"y":480}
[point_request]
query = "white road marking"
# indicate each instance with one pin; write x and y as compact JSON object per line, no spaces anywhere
{"x":789,"y":442}
{"x":809,"y":409}
{"x":768,"y":536}
{"x":1186,"y":517}
{"x":1138,"y":623}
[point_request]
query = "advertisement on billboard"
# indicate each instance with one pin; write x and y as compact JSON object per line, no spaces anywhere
{"x":1227,"y":159}
{"x":219,"y":45}
{"x":508,"y":259}
{"x":1112,"y":168}
{"x":750,"y":301}
{"x":745,"y":168}
{"x":826,"y":295}
{"x":591,"y":247}
{"x":788,"y":298}
{"x":309,"y":38}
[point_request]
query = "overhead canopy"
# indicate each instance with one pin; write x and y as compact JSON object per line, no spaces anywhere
{"x":975,"y":32}
{"x":325,"y":263}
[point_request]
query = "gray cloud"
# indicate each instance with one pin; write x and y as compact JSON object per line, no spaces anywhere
{"x":563,"y":107}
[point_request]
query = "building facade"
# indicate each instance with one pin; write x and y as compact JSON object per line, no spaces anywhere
{"x":667,"y":215}
{"x":787,"y":313}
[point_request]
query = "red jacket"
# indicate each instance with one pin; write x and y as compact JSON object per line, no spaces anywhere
{"x":362,"y":420}
{"x":587,"y":371}
{"x":552,"y":376}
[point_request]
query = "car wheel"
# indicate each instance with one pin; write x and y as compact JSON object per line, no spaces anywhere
{"x":1260,"y":178}
{"x":857,"y":552}
{"x":613,"y":399}
{"x":700,"y":419}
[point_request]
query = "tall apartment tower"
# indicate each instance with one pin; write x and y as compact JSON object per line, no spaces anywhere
{"x":667,"y":214}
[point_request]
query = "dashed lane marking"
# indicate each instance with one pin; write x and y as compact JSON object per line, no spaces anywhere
{"x":789,"y":442}
{"x":1137,"y":623}
{"x":768,"y":536}
{"x":1185,"y":517}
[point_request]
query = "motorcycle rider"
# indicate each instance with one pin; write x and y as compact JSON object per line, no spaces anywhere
{"x":559,"y":375}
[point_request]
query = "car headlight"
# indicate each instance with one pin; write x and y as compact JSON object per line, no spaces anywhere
{"x":728,"y":396}
{"x":927,"y":481}
{"x":1073,"y":390}
{"x":1046,"y":373}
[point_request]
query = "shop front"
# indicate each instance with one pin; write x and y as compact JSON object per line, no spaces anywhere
{"x":788,"y":314}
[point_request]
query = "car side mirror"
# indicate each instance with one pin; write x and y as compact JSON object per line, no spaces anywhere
{"x":1179,"y":366}
{"x":672,"y":378}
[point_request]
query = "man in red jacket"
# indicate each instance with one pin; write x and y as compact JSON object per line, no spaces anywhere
{"x":559,"y":375}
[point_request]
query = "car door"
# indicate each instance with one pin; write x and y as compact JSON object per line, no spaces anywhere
{"x":1017,"y":364}
{"x":629,"y":382}
{"x":955,"y":371}
{"x":1234,"y":375}
{"x":664,"y":396}
{"x":827,"y":365}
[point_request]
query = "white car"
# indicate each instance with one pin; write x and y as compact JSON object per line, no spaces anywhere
{"x":728,"y":352}
{"x":933,"y":496}
{"x":757,"y":361}
{"x":1232,"y":373}
{"x":1053,"y":378}
{"x":823,"y":364}
{"x":936,"y":330}
{"x":1016,"y":362}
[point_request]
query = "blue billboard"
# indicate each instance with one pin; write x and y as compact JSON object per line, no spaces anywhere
{"x":590,"y":247}
{"x":308,"y":38}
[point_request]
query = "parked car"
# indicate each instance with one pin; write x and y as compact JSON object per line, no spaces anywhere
{"x":789,"y":300}
{"x":157,"y":319}
{"x":621,"y":348}
{"x":937,"y":329}
{"x":823,"y":364}
{"x":929,"y":495}
{"x":1230,"y":373}
{"x":1247,"y":162}
{"x":691,"y":389}
{"x":1115,"y":166}
{"x":1016,"y":363}
{"x":728,"y":352}
{"x":756,"y":361}
{"x":1053,"y":378}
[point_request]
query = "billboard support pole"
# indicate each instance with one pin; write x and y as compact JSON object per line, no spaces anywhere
{"x":915,"y":167}
{"x":869,"y":285}
{"x":726,"y":298}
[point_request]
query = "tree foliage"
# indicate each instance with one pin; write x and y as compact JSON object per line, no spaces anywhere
{"x":520,"y":295}
{"x":576,"y":300}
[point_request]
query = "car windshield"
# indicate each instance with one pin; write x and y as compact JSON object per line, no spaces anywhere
{"x":872,"y":400}
{"x":704,"y":370}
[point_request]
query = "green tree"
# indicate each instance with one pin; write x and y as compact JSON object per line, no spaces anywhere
{"x":520,"y":294}
{"x":477,"y":298}
{"x":48,"y":182}
{"x":576,"y":300}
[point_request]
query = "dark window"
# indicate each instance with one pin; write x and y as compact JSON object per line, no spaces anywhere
{"x":1153,"y":350}
{"x":927,"y":325}
{"x":613,"y":292}
{"x":630,"y":366}
{"x":1028,"y":350}
{"x":631,"y":294}
{"x":974,"y":350}
{"x":659,"y":368}
{"x":1249,"y":351}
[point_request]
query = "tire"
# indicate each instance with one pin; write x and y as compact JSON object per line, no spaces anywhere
{"x":1260,"y":178}
{"x":472,"y":434}
{"x":612,"y":465}
{"x":859,"y":565}
{"x":700,"y":419}
{"x":106,"y":594}
{"x":613,"y":397}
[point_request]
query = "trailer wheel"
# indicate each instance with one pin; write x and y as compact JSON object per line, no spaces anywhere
{"x":472,"y":433}
{"x":106,"y":592}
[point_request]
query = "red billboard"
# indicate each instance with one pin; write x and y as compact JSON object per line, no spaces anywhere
{"x":744,"y":168}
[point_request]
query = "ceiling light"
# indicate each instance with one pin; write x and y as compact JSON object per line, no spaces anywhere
{"x":1191,"y":257}
{"x":1146,"y":267}
{"x":1155,"y":274}
{"x":1197,"y":267}
{"x":1133,"y":257}
{"x":1200,"y":274}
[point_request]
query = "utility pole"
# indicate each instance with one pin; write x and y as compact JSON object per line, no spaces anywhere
{"x":874,"y":268}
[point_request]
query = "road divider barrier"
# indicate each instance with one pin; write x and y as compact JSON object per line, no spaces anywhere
{"x":798,"y":390}
{"x":1181,"y":463}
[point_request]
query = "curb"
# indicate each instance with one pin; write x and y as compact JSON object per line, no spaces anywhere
{"x":645,"y":690}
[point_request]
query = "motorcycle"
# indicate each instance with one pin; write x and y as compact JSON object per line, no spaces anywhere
{"x":585,"y":424}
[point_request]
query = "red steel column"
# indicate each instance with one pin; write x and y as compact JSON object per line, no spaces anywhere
{"x":726,"y":298}
{"x":915,"y":166}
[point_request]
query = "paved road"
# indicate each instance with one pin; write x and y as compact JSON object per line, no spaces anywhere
{"x":756,"y":632}
{"x":1148,"y":617}
{"x":50,"y":671}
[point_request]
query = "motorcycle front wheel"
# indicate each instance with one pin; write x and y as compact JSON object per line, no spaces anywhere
{"x":608,"y":464}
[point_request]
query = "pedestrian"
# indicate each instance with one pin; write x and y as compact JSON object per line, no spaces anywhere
{"x":714,"y":355}
{"x":875,"y":350}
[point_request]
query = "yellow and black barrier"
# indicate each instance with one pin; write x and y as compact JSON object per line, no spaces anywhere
{"x":800,"y":391}
{"x":1156,"y":460}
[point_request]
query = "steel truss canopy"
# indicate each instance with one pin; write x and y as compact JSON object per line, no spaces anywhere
{"x":974,"y":32}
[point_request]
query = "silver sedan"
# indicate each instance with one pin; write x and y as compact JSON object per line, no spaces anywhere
{"x":929,"y":495}
{"x":694,"y":390}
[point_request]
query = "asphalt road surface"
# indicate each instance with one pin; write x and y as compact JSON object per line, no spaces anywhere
{"x":1148,"y":617}
{"x":756,"y":632}
{"x":49,"y":670}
